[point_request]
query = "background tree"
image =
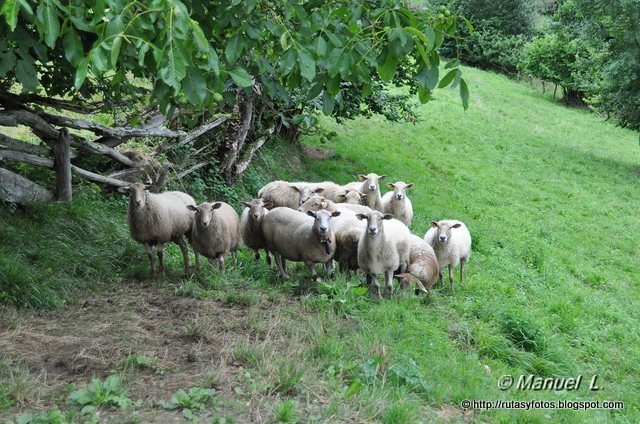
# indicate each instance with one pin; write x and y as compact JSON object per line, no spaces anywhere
{"x":178,"y":69}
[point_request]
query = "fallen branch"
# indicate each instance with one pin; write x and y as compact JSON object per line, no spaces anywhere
{"x":242,"y":166}
{"x":197,"y":132}
{"x":189,"y":171}
{"x":99,"y":178}
{"x":40,"y":127}
{"x":101,"y":149}
{"x":21,"y":99}
{"x":18,"y":189}
{"x":21,"y":146}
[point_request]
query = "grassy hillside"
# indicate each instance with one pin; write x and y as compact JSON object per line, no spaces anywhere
{"x":550,"y":197}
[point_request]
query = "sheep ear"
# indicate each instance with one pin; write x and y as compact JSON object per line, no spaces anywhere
{"x":391,"y":185}
{"x":363,"y":195}
{"x":148,"y":187}
{"x":409,"y":185}
{"x":336,"y":213}
{"x":387,"y":216}
{"x":361,"y":177}
{"x":192,"y":208}
{"x":216,"y":205}
{"x":318,"y":190}
{"x":311,"y":213}
{"x":126,"y":189}
{"x":268,"y":205}
{"x":402,"y":276}
{"x":361,"y":216}
{"x":458,"y":225}
{"x":246,"y":204}
{"x":382,"y":177}
{"x":434,"y":224}
{"x":294,"y":188}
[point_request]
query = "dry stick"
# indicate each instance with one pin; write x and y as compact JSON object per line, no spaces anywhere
{"x":18,"y":99}
{"x":244,"y":164}
{"x":198,"y":131}
{"x":21,"y":146}
{"x":101,"y":149}
{"x":189,"y":171}
{"x":62,"y":165}
{"x":40,"y":127}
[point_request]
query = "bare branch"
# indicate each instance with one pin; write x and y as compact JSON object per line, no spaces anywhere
{"x":21,"y":146}
{"x":22,"y":99}
{"x":198,"y":131}
{"x":246,"y":114}
{"x":18,"y":189}
{"x":25,"y":157}
{"x":189,"y":171}
{"x":101,"y":149}
{"x":40,"y":127}
{"x":242,"y":166}
{"x":99,"y":178}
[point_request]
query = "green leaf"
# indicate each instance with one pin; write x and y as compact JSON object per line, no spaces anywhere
{"x":387,"y":69}
{"x":433,"y":74}
{"x":173,"y":66}
{"x":194,"y":86}
{"x":289,"y":61}
{"x":321,"y":46}
{"x":424,"y":95}
{"x":354,"y":388}
{"x":283,"y":41}
{"x":452,"y":63}
{"x":464,"y":94}
{"x":234,"y":47}
{"x":241,"y":77}
{"x":115,"y":50}
{"x":26,"y":75}
{"x":48,"y":17}
{"x":446,"y":80}
{"x":327,"y":103}
{"x":307,"y":65}
{"x":10,"y":10}
{"x":201,"y":39}
{"x":81,"y":73}
{"x":72,"y":45}
{"x":7,"y":62}
{"x":214,"y":62}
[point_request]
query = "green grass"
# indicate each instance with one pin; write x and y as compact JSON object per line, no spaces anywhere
{"x":550,"y":196}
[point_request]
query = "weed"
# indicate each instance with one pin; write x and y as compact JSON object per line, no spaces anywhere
{"x":51,"y":416}
{"x":196,"y":399}
{"x":110,"y":392}
{"x":285,"y":412}
{"x":289,"y":379}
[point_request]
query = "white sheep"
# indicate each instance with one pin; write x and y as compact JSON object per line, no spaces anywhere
{"x":317,"y":202}
{"x":251,"y":226}
{"x":155,"y":219}
{"x":369,"y":185}
{"x":296,"y":236}
{"x":383,"y":247}
{"x":215,"y":231}
{"x":289,"y":195}
{"x":423,"y":265}
{"x":397,"y":202}
{"x":349,"y":196}
{"x":451,"y":241}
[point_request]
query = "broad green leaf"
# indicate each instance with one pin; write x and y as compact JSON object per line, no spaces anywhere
{"x":201,"y":39}
{"x":464,"y":94}
{"x":100,"y":59}
{"x":452,"y":63}
{"x":284,"y":41}
{"x":289,"y":61}
{"x":81,"y":73}
{"x":234,"y":47}
{"x":333,"y":62}
{"x":173,"y":66}
{"x":10,"y":10}
{"x":446,"y":80}
{"x":457,"y":78}
{"x":387,"y":69}
{"x":27,"y":75}
{"x":7,"y":62}
{"x":424,"y":95}
{"x":72,"y":46}
{"x":321,"y":46}
{"x":214,"y":62}
{"x":307,"y":65}
{"x":48,"y":17}
{"x":417,"y":33}
{"x":115,"y":50}
{"x":315,"y":90}
{"x":241,"y":77}
{"x":194,"y":86}
{"x":327,"y":103}
{"x":433,"y":74}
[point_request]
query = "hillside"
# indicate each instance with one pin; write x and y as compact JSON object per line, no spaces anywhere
{"x":549,"y":195}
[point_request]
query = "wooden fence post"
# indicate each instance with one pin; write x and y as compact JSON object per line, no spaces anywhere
{"x":62,"y":165}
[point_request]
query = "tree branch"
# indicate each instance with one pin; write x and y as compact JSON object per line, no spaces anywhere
{"x":242,"y":166}
{"x":18,"y":100}
{"x":188,"y":171}
{"x":18,"y":189}
{"x":101,"y":149}
{"x":21,"y":146}
{"x":40,"y":127}
{"x":198,"y":131}
{"x":99,"y":178}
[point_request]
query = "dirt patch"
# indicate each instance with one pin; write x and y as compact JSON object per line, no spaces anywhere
{"x":189,"y":340}
{"x":317,"y":154}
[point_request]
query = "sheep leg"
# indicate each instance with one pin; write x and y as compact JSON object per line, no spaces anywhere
{"x":185,"y":252}
{"x":161,"y":259}
{"x":372,"y":279}
{"x":312,"y":270}
{"x":268,"y":255}
{"x":257,"y":254}
{"x":462,"y":262}
{"x":451,"y":276}
{"x":197,"y":258}
{"x":234,"y":255}
{"x":281,"y":266}
{"x":389,"y":277}
{"x":328,"y":268}
{"x":221,"y":262}
{"x":151,"y":259}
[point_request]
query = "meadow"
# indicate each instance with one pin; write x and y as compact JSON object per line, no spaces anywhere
{"x":549,"y":194}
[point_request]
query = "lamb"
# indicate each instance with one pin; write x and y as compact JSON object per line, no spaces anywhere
{"x":352,"y":197}
{"x":215,"y":231}
{"x":295,"y":236}
{"x":155,"y":219}
{"x":382,"y":248}
{"x":451,"y":241}
{"x":251,"y":226}
{"x":317,"y":202}
{"x":397,"y":202}
{"x":369,"y":185}
{"x":289,"y":195}
{"x":423,"y":265}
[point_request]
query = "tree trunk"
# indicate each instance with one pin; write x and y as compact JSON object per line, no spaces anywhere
{"x":62,"y":166}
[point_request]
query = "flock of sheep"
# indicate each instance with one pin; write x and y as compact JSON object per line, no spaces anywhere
{"x":313,"y":223}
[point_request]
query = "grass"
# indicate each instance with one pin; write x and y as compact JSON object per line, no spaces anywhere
{"x":550,"y":196}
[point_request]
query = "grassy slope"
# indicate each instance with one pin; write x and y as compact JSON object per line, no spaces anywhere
{"x":548,"y":194}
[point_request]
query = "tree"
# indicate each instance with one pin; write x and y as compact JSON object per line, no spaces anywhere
{"x":257,"y":66}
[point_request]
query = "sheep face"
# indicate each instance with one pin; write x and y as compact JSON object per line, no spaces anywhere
{"x":322,"y":221}
{"x":400,"y":189}
{"x":204,"y":213}
{"x":353,"y":197}
{"x":443,"y":230}
{"x":257,"y":208}
{"x":314,"y":203}
{"x":371,"y":181}
{"x":375,"y":220}
{"x":305,"y":192}
{"x":137,"y":194}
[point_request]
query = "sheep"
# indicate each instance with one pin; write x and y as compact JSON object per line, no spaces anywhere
{"x":352,"y":197}
{"x":215,"y":231}
{"x":155,"y":219}
{"x":382,"y":248}
{"x":423,"y":265}
{"x":317,"y":202}
{"x":397,"y":202}
{"x":251,"y":226}
{"x":369,"y":185}
{"x":451,"y":241}
{"x":295,"y":236}
{"x":289,"y":195}
{"x":329,"y":190}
